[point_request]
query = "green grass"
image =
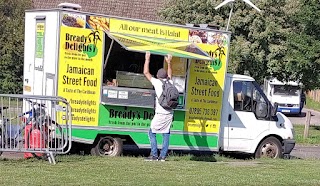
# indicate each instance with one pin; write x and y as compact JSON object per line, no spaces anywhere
{"x":311,"y":104}
{"x":87,"y":170}
{"x":314,"y":135}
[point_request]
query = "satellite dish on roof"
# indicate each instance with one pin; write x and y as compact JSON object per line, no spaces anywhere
{"x":232,"y":1}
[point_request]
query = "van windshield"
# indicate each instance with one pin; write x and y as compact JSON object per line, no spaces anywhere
{"x":286,"y":90}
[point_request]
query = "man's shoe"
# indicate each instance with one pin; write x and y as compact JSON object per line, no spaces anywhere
{"x":151,"y":158}
{"x":162,"y":159}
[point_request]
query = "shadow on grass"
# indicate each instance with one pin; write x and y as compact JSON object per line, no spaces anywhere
{"x":83,"y":154}
{"x":203,"y":158}
{"x":192,"y":156}
{"x":293,"y":157}
{"x":173,"y":156}
{"x":209,"y":156}
{"x":237,"y":156}
{"x":316,"y":127}
{"x":176,"y":155}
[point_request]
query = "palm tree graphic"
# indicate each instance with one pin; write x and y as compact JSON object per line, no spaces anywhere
{"x":219,"y":52}
{"x":220,"y":49}
{"x":96,"y":36}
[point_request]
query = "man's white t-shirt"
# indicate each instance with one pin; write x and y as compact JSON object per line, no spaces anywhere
{"x":157,"y":84}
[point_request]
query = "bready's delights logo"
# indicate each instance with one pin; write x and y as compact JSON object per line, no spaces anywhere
{"x":83,"y":44}
{"x":217,"y":55}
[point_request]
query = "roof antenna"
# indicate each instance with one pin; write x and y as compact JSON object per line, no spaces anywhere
{"x":69,"y":6}
{"x":232,"y":1}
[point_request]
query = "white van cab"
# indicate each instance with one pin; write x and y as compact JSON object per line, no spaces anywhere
{"x":251,"y":123}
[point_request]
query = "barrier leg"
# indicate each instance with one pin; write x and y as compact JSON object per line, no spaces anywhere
{"x":51,"y":158}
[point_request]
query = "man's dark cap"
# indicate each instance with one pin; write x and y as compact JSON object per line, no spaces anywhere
{"x":162,"y":74}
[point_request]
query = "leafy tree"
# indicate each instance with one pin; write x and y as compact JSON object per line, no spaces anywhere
{"x":259,"y":40}
{"x":11,"y":44}
{"x":304,"y":44}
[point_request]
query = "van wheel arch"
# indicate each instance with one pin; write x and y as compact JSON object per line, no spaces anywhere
{"x":271,"y":146}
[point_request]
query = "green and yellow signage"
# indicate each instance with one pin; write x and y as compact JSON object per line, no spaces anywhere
{"x":79,"y":80}
{"x":81,"y":57}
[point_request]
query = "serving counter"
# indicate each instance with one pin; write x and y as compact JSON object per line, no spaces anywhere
{"x":132,"y":97}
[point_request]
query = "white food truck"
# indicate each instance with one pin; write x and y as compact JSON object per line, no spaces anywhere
{"x":65,"y":47}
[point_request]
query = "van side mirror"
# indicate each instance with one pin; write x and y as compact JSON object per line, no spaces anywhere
{"x":261,"y":109}
{"x":274,"y":109}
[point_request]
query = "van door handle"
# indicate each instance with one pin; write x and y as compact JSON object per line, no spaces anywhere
{"x":229,"y":117}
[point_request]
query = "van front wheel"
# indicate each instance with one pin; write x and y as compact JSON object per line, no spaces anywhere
{"x":269,"y":148}
{"x":108,"y":146}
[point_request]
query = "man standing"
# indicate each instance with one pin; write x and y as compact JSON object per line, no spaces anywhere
{"x":162,"y":119}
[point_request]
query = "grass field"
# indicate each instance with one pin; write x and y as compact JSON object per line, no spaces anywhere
{"x":311,"y":104}
{"x":179,"y":170}
{"x":87,"y":170}
{"x":314,"y":135}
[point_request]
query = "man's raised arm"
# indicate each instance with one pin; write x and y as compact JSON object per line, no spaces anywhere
{"x":168,"y":60}
{"x":146,"y":66}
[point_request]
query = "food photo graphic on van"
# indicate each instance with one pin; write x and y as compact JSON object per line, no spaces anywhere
{"x":97,"y":66}
{"x":98,"y":23}
{"x":73,"y":20}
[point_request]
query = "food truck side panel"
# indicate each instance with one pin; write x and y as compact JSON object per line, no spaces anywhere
{"x":40,"y":53}
{"x":139,"y":121}
{"x":80,"y":63}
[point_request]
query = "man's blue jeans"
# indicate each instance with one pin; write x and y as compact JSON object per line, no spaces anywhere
{"x":154,"y":147}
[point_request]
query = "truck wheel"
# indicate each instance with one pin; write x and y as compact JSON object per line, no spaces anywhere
{"x":108,"y":146}
{"x":269,"y":148}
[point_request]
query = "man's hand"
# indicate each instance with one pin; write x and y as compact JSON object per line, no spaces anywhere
{"x":146,"y":66}
{"x":147,"y":56}
{"x":168,"y":58}
{"x":168,"y":61}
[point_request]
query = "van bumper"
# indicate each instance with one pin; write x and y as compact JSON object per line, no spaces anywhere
{"x":288,"y":146}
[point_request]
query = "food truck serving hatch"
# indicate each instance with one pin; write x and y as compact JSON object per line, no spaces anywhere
{"x":142,"y":95}
{"x":159,"y":46}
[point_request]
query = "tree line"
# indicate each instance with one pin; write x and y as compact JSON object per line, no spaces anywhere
{"x":282,"y":41}
{"x":12,"y":44}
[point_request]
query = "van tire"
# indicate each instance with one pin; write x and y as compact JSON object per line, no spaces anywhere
{"x":108,"y":146}
{"x":269,"y":148}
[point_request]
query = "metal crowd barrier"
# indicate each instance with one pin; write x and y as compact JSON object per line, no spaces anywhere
{"x":38,"y":126}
